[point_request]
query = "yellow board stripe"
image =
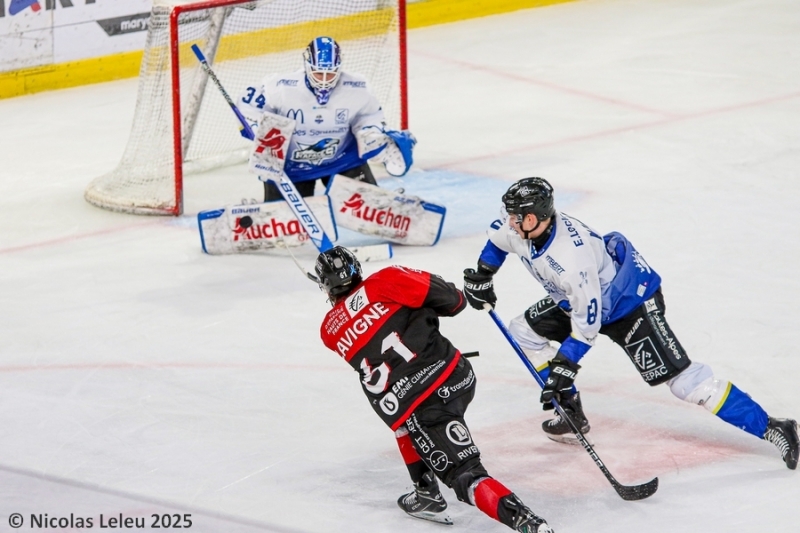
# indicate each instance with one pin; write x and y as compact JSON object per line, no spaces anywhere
{"x":295,"y":36}
{"x":724,"y":397}
{"x":430,"y":12}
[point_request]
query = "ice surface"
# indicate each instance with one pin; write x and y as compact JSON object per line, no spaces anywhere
{"x":139,"y":376}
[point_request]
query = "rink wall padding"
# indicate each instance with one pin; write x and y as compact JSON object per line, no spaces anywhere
{"x":422,"y":13}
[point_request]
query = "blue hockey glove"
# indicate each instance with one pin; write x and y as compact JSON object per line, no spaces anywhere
{"x":562,"y":376}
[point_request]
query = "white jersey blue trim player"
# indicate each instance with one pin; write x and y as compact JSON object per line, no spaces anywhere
{"x":323,"y":143}
{"x":595,"y":286}
{"x":600,"y":285}
{"x":333,"y":109}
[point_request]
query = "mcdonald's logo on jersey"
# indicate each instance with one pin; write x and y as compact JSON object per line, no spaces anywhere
{"x":294,"y":113}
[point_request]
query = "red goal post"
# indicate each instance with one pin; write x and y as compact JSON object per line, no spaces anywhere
{"x":182,"y":126}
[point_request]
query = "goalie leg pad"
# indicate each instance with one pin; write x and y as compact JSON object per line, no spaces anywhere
{"x":362,"y":173}
{"x":255,"y":227}
{"x":372,"y":210}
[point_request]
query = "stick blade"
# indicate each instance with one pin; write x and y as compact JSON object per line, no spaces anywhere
{"x":637,"y":492}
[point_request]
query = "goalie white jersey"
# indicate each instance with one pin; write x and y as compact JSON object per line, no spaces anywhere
{"x":323,"y":143}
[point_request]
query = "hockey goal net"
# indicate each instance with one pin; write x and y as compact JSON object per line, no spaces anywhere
{"x":182,"y":126}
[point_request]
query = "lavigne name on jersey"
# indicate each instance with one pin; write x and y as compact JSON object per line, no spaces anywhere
{"x":364,"y":328}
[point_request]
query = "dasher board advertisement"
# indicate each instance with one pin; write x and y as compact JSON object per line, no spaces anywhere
{"x":35,"y":33}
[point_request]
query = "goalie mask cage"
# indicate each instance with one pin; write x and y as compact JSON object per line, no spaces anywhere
{"x":182,"y":125}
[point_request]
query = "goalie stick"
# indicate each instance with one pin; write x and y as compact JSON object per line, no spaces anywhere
{"x":289,"y":192}
{"x":626,"y":492}
{"x":244,"y":129}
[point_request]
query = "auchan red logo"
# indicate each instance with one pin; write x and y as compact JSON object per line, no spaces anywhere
{"x":383,"y":217}
{"x":272,"y":229}
{"x":273,"y":141}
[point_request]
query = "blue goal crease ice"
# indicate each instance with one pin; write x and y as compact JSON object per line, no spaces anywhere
{"x":472,"y":201}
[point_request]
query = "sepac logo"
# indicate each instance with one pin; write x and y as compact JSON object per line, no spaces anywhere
{"x":383,"y":217}
{"x":274,"y":141}
{"x":645,"y":356}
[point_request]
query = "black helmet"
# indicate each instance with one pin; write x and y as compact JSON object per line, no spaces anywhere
{"x":530,"y":195}
{"x":338,"y":271}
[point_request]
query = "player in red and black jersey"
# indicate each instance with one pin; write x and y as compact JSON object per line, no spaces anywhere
{"x":387,"y":328}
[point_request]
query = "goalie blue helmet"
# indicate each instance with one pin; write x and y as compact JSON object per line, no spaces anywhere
{"x":322,"y":62}
{"x":530,"y":195}
{"x":339,"y":272}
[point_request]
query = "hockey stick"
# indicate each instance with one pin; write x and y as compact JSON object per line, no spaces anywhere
{"x":308,"y":274}
{"x":287,"y":189}
{"x":244,"y":129}
{"x":626,"y":492}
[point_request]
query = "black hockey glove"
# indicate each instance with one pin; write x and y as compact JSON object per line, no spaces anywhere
{"x":562,"y":375}
{"x":479,"y":288}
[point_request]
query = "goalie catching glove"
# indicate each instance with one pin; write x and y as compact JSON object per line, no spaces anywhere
{"x":559,"y":383}
{"x":392,"y":148}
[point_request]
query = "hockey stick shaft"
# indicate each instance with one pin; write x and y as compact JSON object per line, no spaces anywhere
{"x":245,"y":129}
{"x":303,"y":213}
{"x":635,"y":492}
{"x":305,"y":272}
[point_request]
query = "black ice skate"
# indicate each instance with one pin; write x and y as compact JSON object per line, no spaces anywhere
{"x":426,"y":502}
{"x":515,"y":514}
{"x":558,"y":430}
{"x":782,"y":432}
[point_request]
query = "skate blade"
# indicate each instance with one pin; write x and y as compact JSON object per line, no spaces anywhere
{"x":569,"y":438}
{"x":440,"y":518}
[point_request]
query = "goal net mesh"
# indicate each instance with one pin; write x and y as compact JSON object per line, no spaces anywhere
{"x":243,"y":41}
